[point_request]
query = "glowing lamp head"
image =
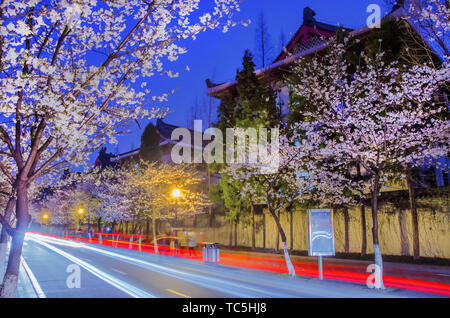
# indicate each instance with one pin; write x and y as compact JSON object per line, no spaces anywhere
{"x":45,"y":216}
{"x":80,"y":211}
{"x":176,"y":193}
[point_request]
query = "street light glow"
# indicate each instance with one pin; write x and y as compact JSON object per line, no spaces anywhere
{"x":176,"y":193}
{"x":45,"y":216}
{"x":80,"y":211}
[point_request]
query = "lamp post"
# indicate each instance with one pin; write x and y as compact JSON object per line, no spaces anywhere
{"x":80,"y":213}
{"x":176,"y":193}
{"x":45,"y":218}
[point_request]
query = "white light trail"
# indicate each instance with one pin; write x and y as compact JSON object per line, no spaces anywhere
{"x":37,"y":288}
{"x":123,"y":286}
{"x":220,"y":285}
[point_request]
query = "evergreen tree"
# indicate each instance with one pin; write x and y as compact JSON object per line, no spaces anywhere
{"x":150,"y":150}
{"x":254,"y":104}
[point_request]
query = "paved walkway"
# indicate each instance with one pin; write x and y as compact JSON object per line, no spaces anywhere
{"x":25,"y":288}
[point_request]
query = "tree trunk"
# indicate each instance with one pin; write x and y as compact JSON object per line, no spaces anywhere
{"x":363,"y":230}
{"x":230,"y":242}
{"x":403,"y":232}
{"x":283,"y":239}
{"x":4,"y":235}
{"x":211,"y":217}
{"x":155,"y":242}
{"x":253,"y":227}
{"x":135,"y":227}
{"x":376,"y":244}
{"x":23,"y":219}
{"x":346,"y":221}
{"x":363,"y":220}
{"x":99,"y":225}
{"x":277,"y":248}
{"x":264,"y":230}
{"x":291,"y":229}
{"x":235,"y":233}
{"x":413,"y":208}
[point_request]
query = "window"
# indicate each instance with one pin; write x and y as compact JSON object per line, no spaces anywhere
{"x":283,"y":100}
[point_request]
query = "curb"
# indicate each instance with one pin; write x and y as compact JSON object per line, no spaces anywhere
{"x":28,"y":286}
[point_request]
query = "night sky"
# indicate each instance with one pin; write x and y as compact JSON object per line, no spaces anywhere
{"x":217,"y":55}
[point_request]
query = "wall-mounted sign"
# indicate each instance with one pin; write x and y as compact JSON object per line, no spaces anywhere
{"x":320,"y":232}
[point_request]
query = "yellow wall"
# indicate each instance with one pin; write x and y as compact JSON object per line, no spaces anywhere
{"x":434,"y":229}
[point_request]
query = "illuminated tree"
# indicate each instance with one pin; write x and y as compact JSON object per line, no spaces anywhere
{"x":376,"y":116}
{"x":165,"y":190}
{"x":67,"y":81}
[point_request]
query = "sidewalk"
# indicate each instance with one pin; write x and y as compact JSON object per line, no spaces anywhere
{"x":25,"y":287}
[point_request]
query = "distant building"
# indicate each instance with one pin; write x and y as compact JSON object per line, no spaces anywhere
{"x":166,"y":143}
{"x":309,"y":39}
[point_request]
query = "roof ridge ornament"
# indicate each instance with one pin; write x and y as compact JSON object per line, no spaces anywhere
{"x":308,"y":16}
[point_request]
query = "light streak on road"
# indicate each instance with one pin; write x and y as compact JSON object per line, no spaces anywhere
{"x":117,"y":271}
{"x":178,"y":293}
{"x":338,"y":272}
{"x":224,"y":286}
{"x":123,"y":286}
{"x":37,"y":288}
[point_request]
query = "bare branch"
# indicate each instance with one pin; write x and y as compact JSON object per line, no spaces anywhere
{"x":7,"y":173}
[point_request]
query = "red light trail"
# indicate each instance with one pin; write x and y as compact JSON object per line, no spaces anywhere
{"x":357,"y":275}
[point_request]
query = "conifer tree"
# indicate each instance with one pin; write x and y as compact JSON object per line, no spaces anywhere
{"x":150,"y":144}
{"x":252,"y":106}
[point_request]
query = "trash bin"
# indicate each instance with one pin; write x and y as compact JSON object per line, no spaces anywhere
{"x":211,"y":252}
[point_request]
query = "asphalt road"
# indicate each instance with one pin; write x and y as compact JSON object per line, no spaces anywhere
{"x":108,"y":272}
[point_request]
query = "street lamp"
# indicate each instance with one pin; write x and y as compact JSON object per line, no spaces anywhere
{"x":176,"y":193}
{"x":45,"y":218}
{"x":80,"y":212}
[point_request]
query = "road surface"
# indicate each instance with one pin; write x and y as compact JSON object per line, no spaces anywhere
{"x":109,"y":272}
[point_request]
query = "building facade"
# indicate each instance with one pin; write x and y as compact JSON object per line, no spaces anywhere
{"x":311,"y":38}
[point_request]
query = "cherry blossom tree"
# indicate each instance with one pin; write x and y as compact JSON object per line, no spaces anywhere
{"x":165,"y":191}
{"x":114,"y":203}
{"x":432,"y":19}
{"x":377,"y":116}
{"x":272,"y":180}
{"x":98,"y":192}
{"x":58,"y":205}
{"x":8,"y":200}
{"x":69,"y":81}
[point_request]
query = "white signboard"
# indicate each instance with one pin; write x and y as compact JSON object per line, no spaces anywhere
{"x":320,"y":232}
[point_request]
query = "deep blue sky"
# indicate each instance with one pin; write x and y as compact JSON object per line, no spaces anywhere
{"x":216,"y":55}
